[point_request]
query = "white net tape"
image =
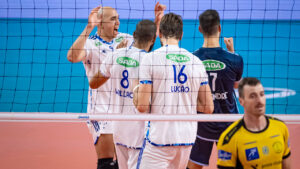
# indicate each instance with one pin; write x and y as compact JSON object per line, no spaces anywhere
{"x":80,"y":117}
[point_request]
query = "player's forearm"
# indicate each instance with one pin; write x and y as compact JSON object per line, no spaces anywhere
{"x":205,"y":102}
{"x":142,"y":98}
{"x":77,"y":52}
{"x":97,"y":80}
{"x":286,"y":163}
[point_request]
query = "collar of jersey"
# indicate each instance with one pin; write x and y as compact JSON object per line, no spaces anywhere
{"x":268,"y":122}
{"x":141,"y":50}
{"x":103,"y":41}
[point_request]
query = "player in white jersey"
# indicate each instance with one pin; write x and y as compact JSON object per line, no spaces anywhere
{"x":123,"y":70}
{"x":177,"y":83}
{"x":92,"y":51}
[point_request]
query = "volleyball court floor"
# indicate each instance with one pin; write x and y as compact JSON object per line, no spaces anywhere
{"x":58,"y":145}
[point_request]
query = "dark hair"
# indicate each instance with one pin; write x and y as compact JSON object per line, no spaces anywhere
{"x":145,"y":31}
{"x":209,"y":22}
{"x":171,"y":26}
{"x":251,"y":81}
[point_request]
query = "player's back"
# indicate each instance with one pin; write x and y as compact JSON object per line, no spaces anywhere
{"x":223,"y":69}
{"x":176,"y":75}
{"x":123,"y":69}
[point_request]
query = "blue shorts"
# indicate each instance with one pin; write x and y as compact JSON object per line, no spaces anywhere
{"x":201,"y":151}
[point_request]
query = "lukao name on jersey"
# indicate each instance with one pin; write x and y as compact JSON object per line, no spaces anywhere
{"x":179,"y":75}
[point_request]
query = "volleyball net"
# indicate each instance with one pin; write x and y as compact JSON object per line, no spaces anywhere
{"x":35,"y":36}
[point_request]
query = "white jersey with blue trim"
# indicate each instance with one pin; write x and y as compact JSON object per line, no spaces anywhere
{"x":123,"y":71}
{"x":96,"y":51}
{"x":176,"y":76}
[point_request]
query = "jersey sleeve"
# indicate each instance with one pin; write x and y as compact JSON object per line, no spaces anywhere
{"x":227,"y":153}
{"x":107,"y":64}
{"x":145,"y":71}
{"x":91,"y":62}
{"x":128,"y":37}
{"x":287,"y":149}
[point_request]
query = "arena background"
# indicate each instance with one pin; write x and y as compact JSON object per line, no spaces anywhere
{"x":35,"y":75}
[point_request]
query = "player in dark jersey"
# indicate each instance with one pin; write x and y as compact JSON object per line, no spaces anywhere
{"x":224,"y":70}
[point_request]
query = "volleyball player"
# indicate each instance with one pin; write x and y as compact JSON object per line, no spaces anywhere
{"x":224,"y":71}
{"x":175,"y":80}
{"x":123,"y":70}
{"x":255,"y":141}
{"x":91,"y":51}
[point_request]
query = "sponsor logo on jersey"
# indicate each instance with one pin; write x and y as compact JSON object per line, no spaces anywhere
{"x":213,"y":65}
{"x":252,"y":154}
{"x":127,"y":62}
{"x":224,"y":155}
{"x":179,"y":58}
{"x":265,"y":150}
{"x":98,"y":43}
{"x":119,"y":39}
{"x":277,"y":146}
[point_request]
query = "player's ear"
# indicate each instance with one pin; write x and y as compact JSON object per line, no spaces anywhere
{"x":134,"y":35}
{"x":200,"y":29}
{"x":181,"y":37}
{"x":219,"y":28}
{"x":160,"y":35}
{"x":241,"y":100}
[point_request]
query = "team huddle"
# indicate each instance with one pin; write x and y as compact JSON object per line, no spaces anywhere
{"x":127,"y":77}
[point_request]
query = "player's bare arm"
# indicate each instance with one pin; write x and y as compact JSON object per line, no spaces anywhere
{"x":77,"y":52}
{"x":97,"y":80}
{"x":142,"y":97}
{"x":205,"y":101}
{"x":286,"y":163}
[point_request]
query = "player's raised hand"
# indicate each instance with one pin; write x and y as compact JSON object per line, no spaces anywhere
{"x":94,"y":19}
{"x":123,"y":44}
{"x":159,"y":13}
{"x":229,"y":44}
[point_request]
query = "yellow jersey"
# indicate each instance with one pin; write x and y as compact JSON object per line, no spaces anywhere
{"x":240,"y":148}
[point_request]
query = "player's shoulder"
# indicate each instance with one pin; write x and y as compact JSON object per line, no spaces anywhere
{"x":276,"y":122}
{"x":122,"y":36}
{"x":231,"y":132}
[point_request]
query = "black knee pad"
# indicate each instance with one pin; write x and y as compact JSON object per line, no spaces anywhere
{"x":106,"y":163}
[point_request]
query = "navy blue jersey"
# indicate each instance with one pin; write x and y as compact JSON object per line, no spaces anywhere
{"x":223,"y":69}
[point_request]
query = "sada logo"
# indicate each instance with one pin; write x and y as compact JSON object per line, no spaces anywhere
{"x":178,"y":58}
{"x":213,"y":65}
{"x":119,"y":39}
{"x":127,"y":62}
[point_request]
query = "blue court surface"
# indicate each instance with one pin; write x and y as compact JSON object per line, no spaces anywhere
{"x":35,"y":75}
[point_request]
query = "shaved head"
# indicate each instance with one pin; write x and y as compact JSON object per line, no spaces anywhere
{"x":106,"y":11}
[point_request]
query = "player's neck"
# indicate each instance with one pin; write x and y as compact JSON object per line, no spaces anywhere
{"x":255,"y":123}
{"x":141,"y":46}
{"x":211,"y":42}
{"x":169,"y":41}
{"x":104,"y":37}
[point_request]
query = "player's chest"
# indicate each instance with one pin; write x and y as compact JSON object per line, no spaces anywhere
{"x":263,"y":151}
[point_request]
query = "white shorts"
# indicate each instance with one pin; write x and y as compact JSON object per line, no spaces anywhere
{"x":127,"y":157}
{"x":166,"y":157}
{"x":99,"y":127}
